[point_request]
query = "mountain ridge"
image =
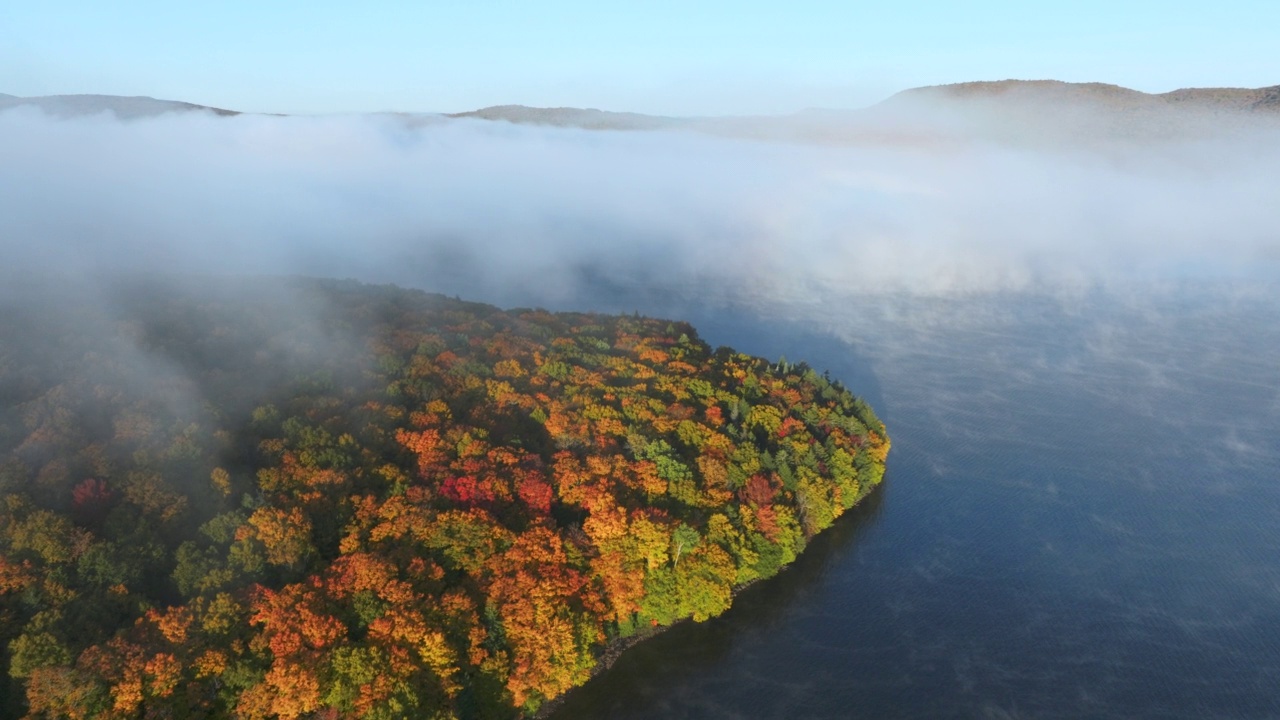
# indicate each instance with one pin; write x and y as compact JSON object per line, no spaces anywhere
{"x":125,"y":107}
{"x":1263,"y":98}
{"x":1040,"y":113}
{"x":1231,"y":98}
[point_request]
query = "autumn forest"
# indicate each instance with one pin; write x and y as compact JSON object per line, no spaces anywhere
{"x":284,"y":498}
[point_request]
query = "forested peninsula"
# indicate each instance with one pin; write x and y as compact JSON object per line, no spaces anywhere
{"x":263,"y":498}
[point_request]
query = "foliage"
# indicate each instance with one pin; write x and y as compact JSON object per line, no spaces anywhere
{"x":401,"y":506}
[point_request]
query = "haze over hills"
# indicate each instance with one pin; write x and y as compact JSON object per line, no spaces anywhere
{"x":1050,"y":112}
{"x":1045,"y":114}
{"x":1103,"y":94}
{"x":1020,"y":111}
{"x":586,"y":118}
{"x":1011,"y":93}
{"x":1017,"y":96}
{"x":125,"y":108}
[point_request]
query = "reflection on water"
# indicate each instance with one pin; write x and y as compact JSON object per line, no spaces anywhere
{"x":1081,"y":518}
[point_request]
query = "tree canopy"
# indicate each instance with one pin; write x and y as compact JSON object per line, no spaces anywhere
{"x":283,"y":499}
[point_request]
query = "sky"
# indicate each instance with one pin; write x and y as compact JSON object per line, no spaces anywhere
{"x":711,"y":57}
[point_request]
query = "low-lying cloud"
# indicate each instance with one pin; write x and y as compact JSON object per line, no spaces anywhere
{"x":518,"y":213}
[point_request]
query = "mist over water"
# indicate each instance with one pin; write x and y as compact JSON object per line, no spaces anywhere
{"x":1073,"y":348}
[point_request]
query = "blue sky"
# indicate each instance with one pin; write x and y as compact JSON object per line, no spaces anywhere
{"x":680,"y":58}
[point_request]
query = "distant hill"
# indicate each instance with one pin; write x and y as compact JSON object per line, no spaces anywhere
{"x":1099,"y":94}
{"x":587,"y":118}
{"x":1265,"y":99}
{"x":125,"y":108}
{"x":1051,"y":112}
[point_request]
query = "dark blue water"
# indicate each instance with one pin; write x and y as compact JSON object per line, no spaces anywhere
{"x":1081,"y":518}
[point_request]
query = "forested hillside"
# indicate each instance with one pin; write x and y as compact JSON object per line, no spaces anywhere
{"x":297,"y":498}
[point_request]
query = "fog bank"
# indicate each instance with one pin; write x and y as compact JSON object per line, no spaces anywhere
{"x":523,"y":213}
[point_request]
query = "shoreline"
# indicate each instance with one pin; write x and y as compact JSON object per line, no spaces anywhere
{"x":612,"y":651}
{"x":616,"y":648}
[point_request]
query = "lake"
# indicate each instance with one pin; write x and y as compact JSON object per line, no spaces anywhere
{"x":1080,"y":518}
